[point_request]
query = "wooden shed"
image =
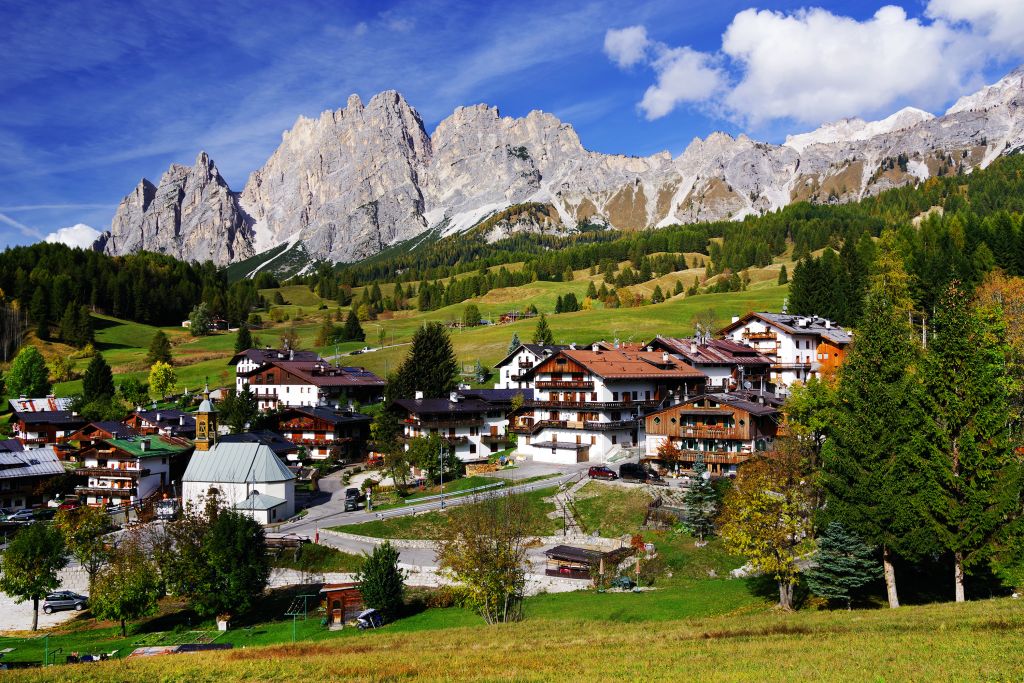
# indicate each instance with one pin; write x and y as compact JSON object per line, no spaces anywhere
{"x":343,"y":603}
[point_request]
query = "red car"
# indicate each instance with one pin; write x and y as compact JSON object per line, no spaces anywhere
{"x":599,"y":472}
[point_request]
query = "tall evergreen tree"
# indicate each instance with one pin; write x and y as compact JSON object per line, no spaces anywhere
{"x":159,"y":349}
{"x":872,"y":473}
{"x":430,"y":367}
{"x":39,"y":311}
{"x":783,"y":275}
{"x":353,"y":331}
{"x":514,"y":344}
{"x":701,"y":501}
{"x":243,"y":340}
{"x":98,"y":382}
{"x":844,"y":566}
{"x":381,"y":582}
{"x":975,"y":482}
{"x":542,"y":333}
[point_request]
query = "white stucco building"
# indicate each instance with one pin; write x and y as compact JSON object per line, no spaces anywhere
{"x":248,"y":477}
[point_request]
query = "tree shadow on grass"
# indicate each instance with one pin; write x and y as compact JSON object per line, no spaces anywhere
{"x":767,"y":588}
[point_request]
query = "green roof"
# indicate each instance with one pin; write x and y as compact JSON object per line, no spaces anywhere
{"x":157,"y":446}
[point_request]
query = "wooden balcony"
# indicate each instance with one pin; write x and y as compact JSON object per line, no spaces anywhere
{"x":760,"y":335}
{"x":594,"y":405}
{"x":613,"y":425}
{"x":111,"y":472}
{"x":565,"y":384}
{"x":704,"y":432}
{"x":106,"y":491}
{"x":494,"y":438}
{"x":446,"y":423}
{"x":716,"y":457}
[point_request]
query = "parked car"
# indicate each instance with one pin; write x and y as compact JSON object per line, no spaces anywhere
{"x":351,"y":499}
{"x":632,"y":471}
{"x":64,"y":600}
{"x":601,"y":472}
{"x":69,"y":505}
{"x":21,"y":516}
{"x":4,"y":514}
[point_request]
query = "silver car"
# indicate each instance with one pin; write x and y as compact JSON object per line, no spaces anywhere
{"x":64,"y":600}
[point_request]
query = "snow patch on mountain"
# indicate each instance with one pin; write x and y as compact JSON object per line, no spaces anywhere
{"x":851,"y":130}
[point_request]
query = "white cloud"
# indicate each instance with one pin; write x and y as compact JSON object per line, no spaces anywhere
{"x":684,"y":76}
{"x":78,"y":235}
{"x":812,"y":65}
{"x":999,"y":21}
{"x":626,"y":46}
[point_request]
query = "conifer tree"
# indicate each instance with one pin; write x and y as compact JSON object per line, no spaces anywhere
{"x":353,"y":331}
{"x":657,"y":296}
{"x":39,"y":310}
{"x":98,"y":382}
{"x":678,"y":289}
{"x":243,"y":340}
{"x":542,"y":333}
{"x":975,"y":476}
{"x":783,"y":275}
{"x":514,"y":344}
{"x":159,"y":349}
{"x":559,"y":305}
{"x":871,"y":462}
{"x":845,"y":565}
{"x":701,"y":501}
{"x":430,"y":367}
{"x":591,"y":290}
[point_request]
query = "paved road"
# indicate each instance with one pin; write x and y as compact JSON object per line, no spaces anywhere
{"x":331,"y":512}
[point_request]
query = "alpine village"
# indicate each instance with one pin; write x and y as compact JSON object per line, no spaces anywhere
{"x":482,"y":404}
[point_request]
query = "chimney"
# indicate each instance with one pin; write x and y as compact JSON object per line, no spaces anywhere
{"x":693,"y":347}
{"x":158,"y":417}
{"x":144,"y":445}
{"x":664,"y":356}
{"x":594,"y":347}
{"x":181,"y":420}
{"x":291,"y":354}
{"x":828,"y":324}
{"x":419,"y":395}
{"x":735,"y":318}
{"x":572,"y":346}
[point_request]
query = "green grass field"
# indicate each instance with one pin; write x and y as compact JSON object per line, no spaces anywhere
{"x":708,"y":631}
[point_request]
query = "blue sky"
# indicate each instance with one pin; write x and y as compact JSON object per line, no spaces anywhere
{"x":97,"y":95}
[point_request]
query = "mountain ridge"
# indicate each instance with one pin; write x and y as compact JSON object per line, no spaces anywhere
{"x":361,"y":178}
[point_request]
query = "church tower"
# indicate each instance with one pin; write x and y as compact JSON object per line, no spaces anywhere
{"x":206,"y":423}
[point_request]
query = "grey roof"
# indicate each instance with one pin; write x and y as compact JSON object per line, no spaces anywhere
{"x":33,"y":405}
{"x":9,"y":445}
{"x":259,"y":501}
{"x":37,"y":462}
{"x":206,"y":407}
{"x":277,"y":443}
{"x":57,"y":417}
{"x":539,"y":350}
{"x":800,"y":324}
{"x":237,"y":463}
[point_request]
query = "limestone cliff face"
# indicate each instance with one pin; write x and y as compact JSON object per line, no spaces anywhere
{"x":191,"y":214}
{"x":347,"y":183}
{"x":362,"y":178}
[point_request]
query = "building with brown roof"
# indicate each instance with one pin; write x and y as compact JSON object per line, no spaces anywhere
{"x":725,"y":428}
{"x":302,"y":378}
{"x":728,"y":364}
{"x":588,"y":404}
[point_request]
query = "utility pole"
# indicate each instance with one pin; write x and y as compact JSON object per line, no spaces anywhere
{"x":440,"y":459}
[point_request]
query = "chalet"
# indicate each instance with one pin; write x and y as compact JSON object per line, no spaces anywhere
{"x":302,"y":378}
{"x":324,"y":431}
{"x":726,"y":428}
{"x":94,"y":432}
{"x":22,"y":473}
{"x":126,"y":471}
{"x":472,"y":422}
{"x":282,"y":447}
{"x":43,"y":421}
{"x":245,"y":476}
{"x":588,"y":404}
{"x":524,"y":357}
{"x":728,"y":364}
{"x":800,"y":347}
{"x":166,"y":422}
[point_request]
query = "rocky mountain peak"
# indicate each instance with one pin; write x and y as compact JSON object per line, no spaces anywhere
{"x":356,"y":180}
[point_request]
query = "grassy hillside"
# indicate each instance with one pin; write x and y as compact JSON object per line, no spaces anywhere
{"x":628,"y":637}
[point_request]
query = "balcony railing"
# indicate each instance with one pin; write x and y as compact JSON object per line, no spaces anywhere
{"x":446,"y":423}
{"x":609,"y":426}
{"x":760,"y":335}
{"x":525,"y":364}
{"x":565,"y":384}
{"x":698,"y":432}
{"x":111,"y":472}
{"x":534,"y":427}
{"x":718,"y":457}
{"x":593,"y":405}
{"x":494,"y":438}
{"x":792,"y":366}
{"x":107,"y":491}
